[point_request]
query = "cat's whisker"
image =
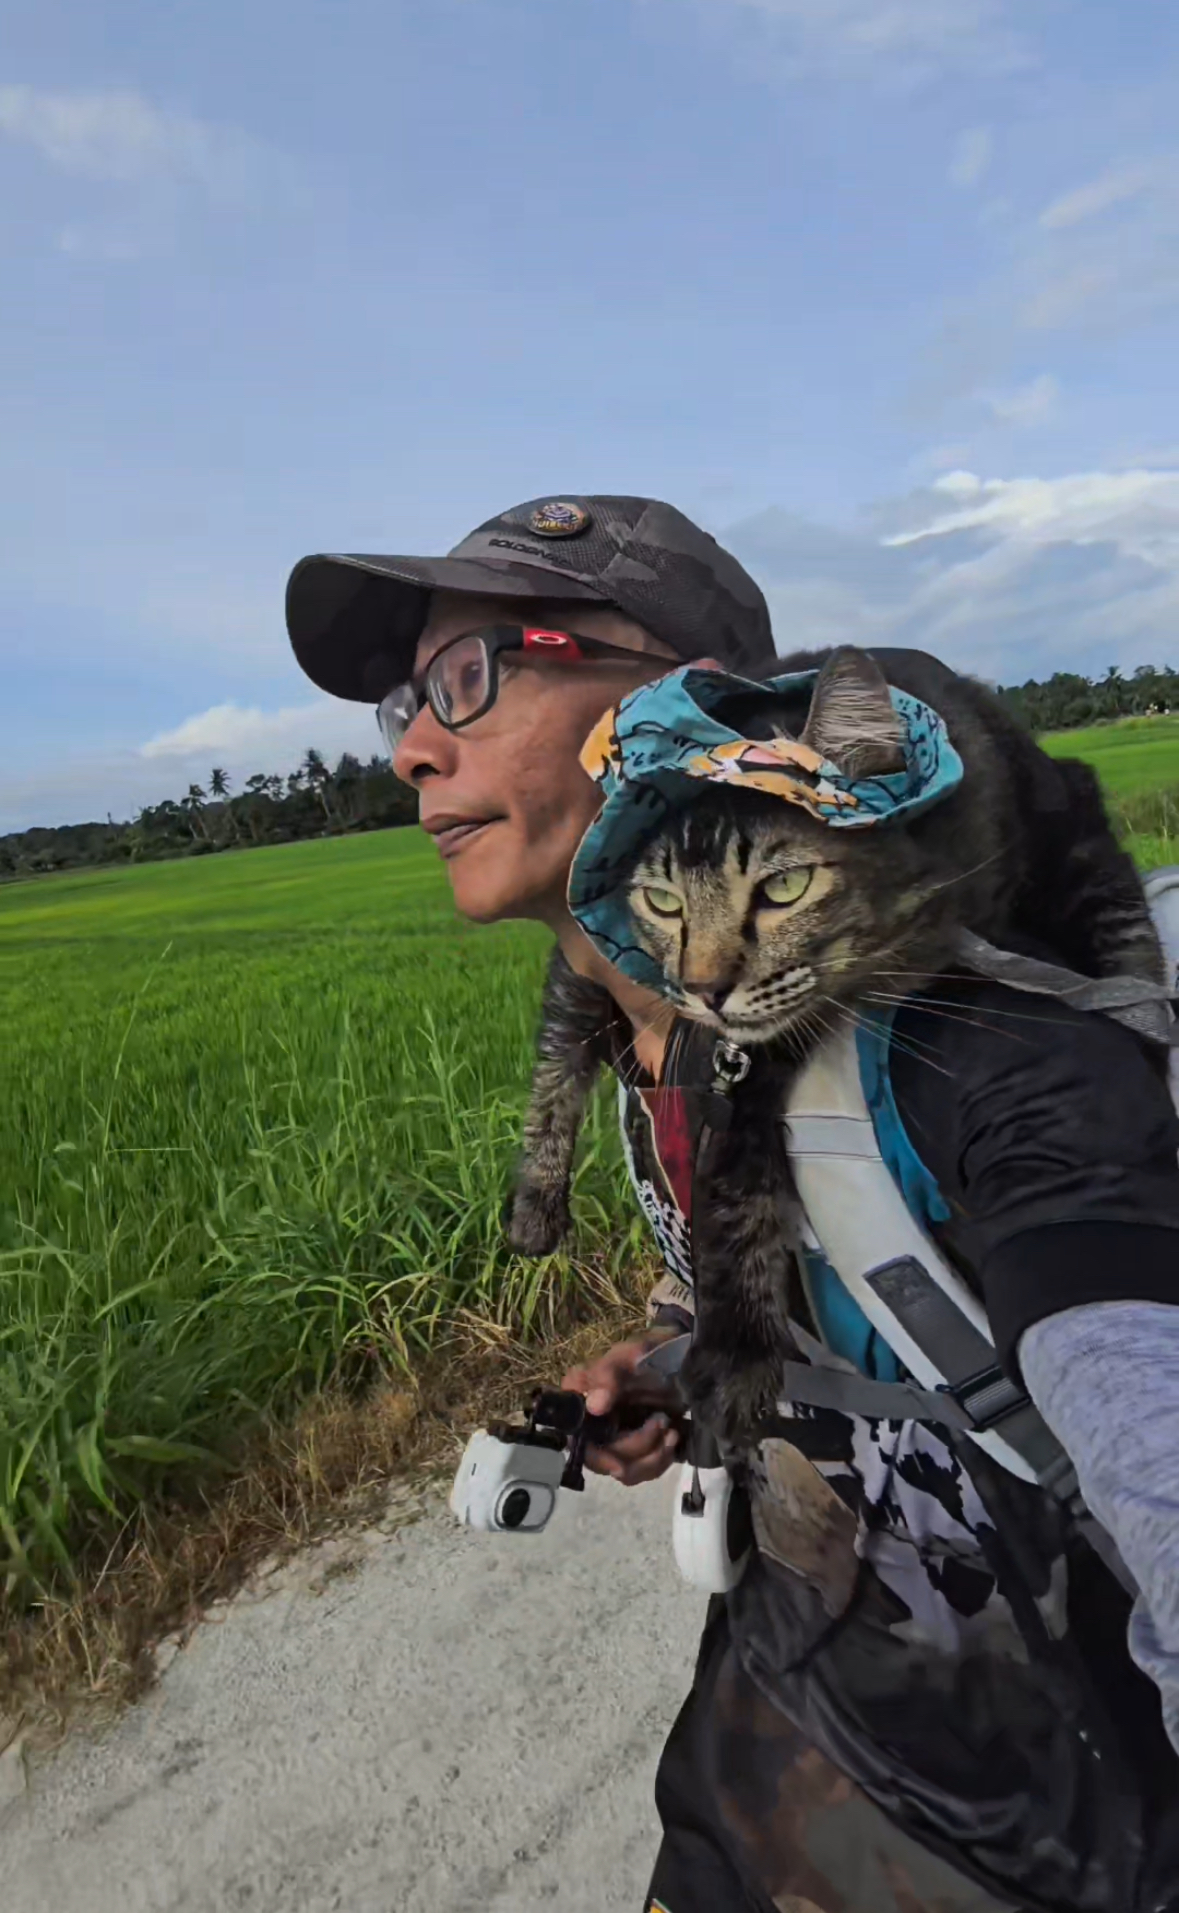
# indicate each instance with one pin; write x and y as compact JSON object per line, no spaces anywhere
{"x":962,"y":876}
{"x":965,"y":1013}
{"x":912,"y":1048}
{"x":663,"y":1016}
{"x":969,"y":1010}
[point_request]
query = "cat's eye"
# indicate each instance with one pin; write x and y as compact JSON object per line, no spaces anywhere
{"x":788,"y":886}
{"x":664,"y":903}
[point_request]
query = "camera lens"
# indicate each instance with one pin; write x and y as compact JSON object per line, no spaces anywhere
{"x":514,"y":1508}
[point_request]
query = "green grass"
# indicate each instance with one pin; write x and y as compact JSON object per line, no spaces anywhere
{"x":1132,"y":757}
{"x":1137,"y":760}
{"x":260,"y":1114}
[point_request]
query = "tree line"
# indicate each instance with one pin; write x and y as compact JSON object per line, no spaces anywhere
{"x":1067,"y":701}
{"x":316,"y":801}
{"x":312,"y":801}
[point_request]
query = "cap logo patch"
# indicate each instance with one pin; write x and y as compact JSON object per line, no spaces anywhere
{"x":558,"y":519}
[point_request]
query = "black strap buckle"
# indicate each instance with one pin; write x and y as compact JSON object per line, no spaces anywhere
{"x":988,"y":1397}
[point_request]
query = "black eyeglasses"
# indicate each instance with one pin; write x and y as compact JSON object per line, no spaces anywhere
{"x":461,"y":681}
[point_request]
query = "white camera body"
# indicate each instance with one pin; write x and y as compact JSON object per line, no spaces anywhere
{"x":711,"y":1529}
{"x":510,"y":1477}
{"x":506,"y":1487}
{"x":512,"y":1487}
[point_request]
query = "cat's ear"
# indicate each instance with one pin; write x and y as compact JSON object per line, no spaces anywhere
{"x":852,"y":720}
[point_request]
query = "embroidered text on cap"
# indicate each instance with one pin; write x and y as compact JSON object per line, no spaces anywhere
{"x":558,"y":519}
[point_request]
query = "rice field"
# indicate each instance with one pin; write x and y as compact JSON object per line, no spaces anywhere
{"x":258,"y":1115}
{"x":1133,"y":757}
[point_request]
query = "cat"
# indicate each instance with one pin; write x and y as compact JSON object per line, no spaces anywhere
{"x":769,"y":926}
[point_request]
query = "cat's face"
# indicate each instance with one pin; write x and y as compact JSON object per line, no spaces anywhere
{"x":765,"y":920}
{"x":761,"y":918}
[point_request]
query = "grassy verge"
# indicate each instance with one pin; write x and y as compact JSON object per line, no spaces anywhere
{"x":160,"y":1296}
{"x":88,"y":1644}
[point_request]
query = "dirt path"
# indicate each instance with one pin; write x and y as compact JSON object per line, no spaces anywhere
{"x":416,"y":1721}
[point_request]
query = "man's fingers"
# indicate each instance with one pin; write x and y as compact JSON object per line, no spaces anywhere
{"x":601,"y":1382}
{"x":644,"y":1453}
{"x":655,"y":1457}
{"x":640,"y":1456}
{"x":640,"y":1441}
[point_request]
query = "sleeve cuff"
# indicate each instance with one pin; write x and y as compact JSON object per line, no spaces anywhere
{"x":1066,"y":1264}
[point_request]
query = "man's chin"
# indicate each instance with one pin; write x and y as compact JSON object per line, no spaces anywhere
{"x":497,"y":876}
{"x":482,"y":898}
{"x":484,"y":895}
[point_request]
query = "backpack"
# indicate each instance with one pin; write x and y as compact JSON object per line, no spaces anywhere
{"x":904,"y":1336}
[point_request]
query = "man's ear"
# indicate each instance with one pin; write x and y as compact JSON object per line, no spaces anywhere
{"x":852,"y":720}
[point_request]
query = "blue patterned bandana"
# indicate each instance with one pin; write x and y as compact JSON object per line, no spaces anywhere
{"x":652,"y":753}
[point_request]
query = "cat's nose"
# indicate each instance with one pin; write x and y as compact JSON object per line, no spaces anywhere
{"x":712,"y":991}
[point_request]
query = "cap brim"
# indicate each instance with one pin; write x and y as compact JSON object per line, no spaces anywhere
{"x":354,"y":621}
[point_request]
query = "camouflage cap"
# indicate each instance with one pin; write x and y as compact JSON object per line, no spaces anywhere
{"x":354,"y":620}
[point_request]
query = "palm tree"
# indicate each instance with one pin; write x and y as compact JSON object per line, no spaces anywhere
{"x":226,"y":821}
{"x":194,"y":806}
{"x":255,"y":791}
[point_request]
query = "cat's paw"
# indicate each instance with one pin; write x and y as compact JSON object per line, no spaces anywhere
{"x":538,"y":1220}
{"x":731,"y":1398}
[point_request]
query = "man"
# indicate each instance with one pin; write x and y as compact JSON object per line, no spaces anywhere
{"x":1002,"y":1749}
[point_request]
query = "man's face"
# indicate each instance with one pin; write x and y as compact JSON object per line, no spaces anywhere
{"x":505,"y":798}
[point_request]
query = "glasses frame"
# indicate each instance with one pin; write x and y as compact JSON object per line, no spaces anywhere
{"x":567,"y":647}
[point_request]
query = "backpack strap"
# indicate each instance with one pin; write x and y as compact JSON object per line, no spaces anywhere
{"x":849,"y":1117}
{"x":1144,"y":1007}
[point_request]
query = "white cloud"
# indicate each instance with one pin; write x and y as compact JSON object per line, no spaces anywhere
{"x":1101,"y":258}
{"x":148,"y":161}
{"x":234,"y":733}
{"x":119,"y":136}
{"x":913,"y":40}
{"x":1085,"y":202}
{"x":1007,"y":578}
{"x":1028,"y":404}
{"x":1138,"y":511}
{"x":972,"y":156}
{"x":239,"y":739}
{"x":1107,"y":253}
{"x":1037,"y":574}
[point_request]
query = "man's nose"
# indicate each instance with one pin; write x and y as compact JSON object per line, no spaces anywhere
{"x":426,"y":749}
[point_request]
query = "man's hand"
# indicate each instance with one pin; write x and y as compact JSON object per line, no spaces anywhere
{"x":650,"y":1450}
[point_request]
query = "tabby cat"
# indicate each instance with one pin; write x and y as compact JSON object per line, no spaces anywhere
{"x":771,"y":927}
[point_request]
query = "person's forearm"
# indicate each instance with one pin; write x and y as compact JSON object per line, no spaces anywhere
{"x":1105,"y":1377}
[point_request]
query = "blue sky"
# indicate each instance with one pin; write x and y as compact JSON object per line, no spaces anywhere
{"x":882,"y":291}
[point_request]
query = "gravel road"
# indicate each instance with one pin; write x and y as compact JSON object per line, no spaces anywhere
{"x":413,"y":1720}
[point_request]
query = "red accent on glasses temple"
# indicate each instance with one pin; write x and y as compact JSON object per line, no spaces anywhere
{"x":553,"y":641}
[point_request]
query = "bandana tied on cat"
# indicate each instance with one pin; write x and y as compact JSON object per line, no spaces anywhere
{"x":654,"y":751}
